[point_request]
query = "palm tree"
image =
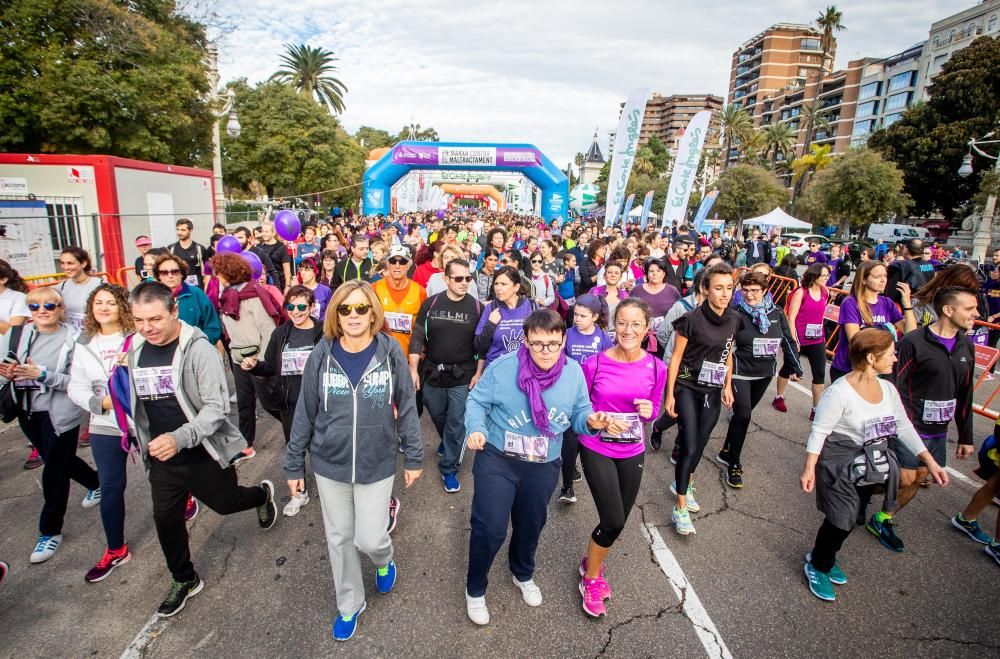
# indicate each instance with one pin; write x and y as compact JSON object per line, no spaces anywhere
{"x":779,"y":138}
{"x":829,"y":21}
{"x":754,"y":147}
{"x":309,"y":71}
{"x":736,"y":125}
{"x":643,"y":163}
{"x":816,"y":160}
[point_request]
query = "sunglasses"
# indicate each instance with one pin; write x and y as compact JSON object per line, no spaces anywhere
{"x":170,"y":273}
{"x":467,"y":278}
{"x":361,"y":308}
{"x":293,"y":307}
{"x":48,"y":306}
{"x":398,"y":260}
{"x":536,"y":260}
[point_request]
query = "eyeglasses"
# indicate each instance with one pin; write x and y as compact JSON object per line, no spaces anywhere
{"x":467,"y":278}
{"x":544,"y":347}
{"x":754,"y":291}
{"x":293,"y":307}
{"x":48,"y":306}
{"x":635,"y":327}
{"x":361,"y":308}
{"x":398,"y":260}
{"x":170,"y":273}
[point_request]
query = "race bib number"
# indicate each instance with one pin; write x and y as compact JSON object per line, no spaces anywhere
{"x":765,"y":347}
{"x":712,"y":373}
{"x":399,"y":322}
{"x":880,"y":427}
{"x":75,"y":320}
{"x":155,"y":382}
{"x":632,"y":434}
{"x":293,"y":362}
{"x":523,"y":447}
{"x":191,"y":280}
{"x":814,"y":330}
{"x":938,"y":411}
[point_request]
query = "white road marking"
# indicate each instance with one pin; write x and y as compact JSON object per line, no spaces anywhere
{"x":707,"y":633}
{"x":153,"y":628}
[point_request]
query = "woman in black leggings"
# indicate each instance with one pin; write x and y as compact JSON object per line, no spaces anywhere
{"x":700,"y":379}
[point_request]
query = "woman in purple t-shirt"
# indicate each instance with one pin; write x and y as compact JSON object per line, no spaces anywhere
{"x":867,"y":307}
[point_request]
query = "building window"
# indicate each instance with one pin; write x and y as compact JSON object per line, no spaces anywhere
{"x":803,"y":72}
{"x":901,"y":80}
{"x":897,"y":101}
{"x":809,"y":44}
{"x":952,"y":35}
{"x":992,"y":25}
{"x":970,"y":29}
{"x":937,"y":42}
{"x":867,"y":109}
{"x":869,"y":90}
{"x":890,"y":119}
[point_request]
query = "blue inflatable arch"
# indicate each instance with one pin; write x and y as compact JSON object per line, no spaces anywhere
{"x":524,"y":158}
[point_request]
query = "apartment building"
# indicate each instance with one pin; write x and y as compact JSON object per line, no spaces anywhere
{"x":668,"y":116}
{"x":888,"y":88}
{"x":954,"y":33}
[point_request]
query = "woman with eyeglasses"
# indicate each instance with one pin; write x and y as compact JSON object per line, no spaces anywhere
{"x":514,"y":259}
{"x":328,"y":267}
{"x":485,"y":274}
{"x":37,"y":363}
{"x":357,"y":409}
{"x":105,"y":327}
{"x":543,"y":286}
{"x":249,"y":316}
{"x":77,"y":265}
{"x":308,"y":270}
{"x":501,"y":327}
{"x":193,"y":305}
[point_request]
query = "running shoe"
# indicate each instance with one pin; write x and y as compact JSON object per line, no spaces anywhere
{"x":567,"y":495}
{"x":577,"y":476}
{"x":993,"y":550}
{"x":93,"y":498}
{"x":191,"y":509}
{"x":675,"y":455}
{"x":734,"y":476}
{"x":451,"y":483}
{"x":592,"y":591}
{"x":682,"y":522}
{"x":820,"y":584}
{"x":385,"y":577}
{"x":267,"y":512}
{"x":475,"y":608}
{"x":779,"y":404}
{"x":180,"y":593}
{"x":723,"y":457}
{"x":530,"y":592}
{"x":108,"y":563}
{"x":885,"y":532}
{"x":345,"y":626}
{"x":988,"y":377}
{"x":34,"y":460}
{"x":583,"y":573}
{"x":656,"y":438}
{"x":45,"y":548}
{"x":692,"y":505}
{"x":837,"y":576}
{"x":440,"y":449}
{"x":295,"y":504}
{"x":4,"y":571}
{"x":245,"y":454}
{"x":393,"y":514}
{"x":971,"y":528}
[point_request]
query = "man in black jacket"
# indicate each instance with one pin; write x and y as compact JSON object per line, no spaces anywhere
{"x":908,"y":268}
{"x":356,"y":265}
{"x":758,"y":250}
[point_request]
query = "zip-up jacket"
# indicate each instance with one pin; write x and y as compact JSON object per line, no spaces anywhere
{"x":63,"y":413}
{"x":289,"y":386}
{"x":195,"y":309}
{"x":351,"y":432}
{"x":347,"y":270}
{"x":926,"y":371}
{"x":748,"y":366}
{"x":87,"y":368}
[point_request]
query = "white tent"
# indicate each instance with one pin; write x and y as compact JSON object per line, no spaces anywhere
{"x":637,"y":212}
{"x":778,"y":218}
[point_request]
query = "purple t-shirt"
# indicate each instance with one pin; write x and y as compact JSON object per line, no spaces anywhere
{"x":883,"y":311}
{"x":322,"y":295}
{"x":613,"y":387}
{"x":815,"y":257}
{"x":659,"y":303}
{"x":582,"y":347}
{"x":509,"y":334}
{"x":949,"y":344}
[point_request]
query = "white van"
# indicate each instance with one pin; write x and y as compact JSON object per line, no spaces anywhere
{"x":890,"y":233}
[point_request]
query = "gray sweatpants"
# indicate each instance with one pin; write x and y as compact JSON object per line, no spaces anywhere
{"x":355,"y":518}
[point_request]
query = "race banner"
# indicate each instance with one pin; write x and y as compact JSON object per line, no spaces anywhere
{"x":465,"y":156}
{"x":703,"y":210}
{"x":623,"y":152}
{"x":627,"y":208}
{"x":685,"y":169}
{"x":647,"y":204}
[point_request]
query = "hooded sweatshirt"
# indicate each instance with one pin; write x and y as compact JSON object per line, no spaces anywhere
{"x":54,"y":352}
{"x":93,"y":357}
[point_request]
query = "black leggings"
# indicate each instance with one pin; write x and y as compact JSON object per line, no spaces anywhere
{"x":614,"y":484}
{"x":829,"y":538}
{"x":570,"y":449}
{"x":697,"y":414}
{"x":746,"y":395}
{"x":816,"y":355}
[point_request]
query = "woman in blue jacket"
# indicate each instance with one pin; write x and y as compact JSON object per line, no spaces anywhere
{"x":193,"y":306}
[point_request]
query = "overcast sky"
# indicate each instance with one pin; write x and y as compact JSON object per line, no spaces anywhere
{"x":540,"y":71}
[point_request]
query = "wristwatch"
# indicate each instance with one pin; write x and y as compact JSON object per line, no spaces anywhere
{"x":43,"y":375}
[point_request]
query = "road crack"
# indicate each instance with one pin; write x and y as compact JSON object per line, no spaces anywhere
{"x":642,"y":616}
{"x":948,"y":639}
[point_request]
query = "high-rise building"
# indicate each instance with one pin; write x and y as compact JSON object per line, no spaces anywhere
{"x":668,"y":116}
{"x":954,"y":33}
{"x":888,"y":88}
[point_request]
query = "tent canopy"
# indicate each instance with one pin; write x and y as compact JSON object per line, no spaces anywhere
{"x":778,"y":218}
{"x":637,"y":212}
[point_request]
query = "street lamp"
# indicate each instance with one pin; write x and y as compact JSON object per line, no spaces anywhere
{"x":984,"y":233}
{"x":225,"y":101}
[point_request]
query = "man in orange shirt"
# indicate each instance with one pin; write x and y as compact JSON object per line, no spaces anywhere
{"x":400,"y":296}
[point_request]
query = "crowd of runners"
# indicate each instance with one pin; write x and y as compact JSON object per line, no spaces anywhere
{"x":539,"y":347}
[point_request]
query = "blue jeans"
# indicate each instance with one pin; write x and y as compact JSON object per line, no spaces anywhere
{"x":507,"y":490}
{"x":111,"y":461}
{"x":446,"y":407}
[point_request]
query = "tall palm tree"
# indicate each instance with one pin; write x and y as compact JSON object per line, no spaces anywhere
{"x":736,"y":125}
{"x":754,"y":147}
{"x":780,"y":138}
{"x":829,"y":21}
{"x":309,"y":71}
{"x":643,"y":163}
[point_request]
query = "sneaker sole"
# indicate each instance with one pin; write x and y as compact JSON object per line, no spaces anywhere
{"x":719,"y":459}
{"x":270,"y":502}
{"x":126,"y":559}
{"x":34,"y":465}
{"x":567,"y":499}
{"x":991,"y":554}
{"x":197,"y":511}
{"x":583,"y":605}
{"x":735,"y":486}
{"x":37,"y":561}
{"x":805,"y":569}
{"x":966,"y":531}
{"x":197,"y":589}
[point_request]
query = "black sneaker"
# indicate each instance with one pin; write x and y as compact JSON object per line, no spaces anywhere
{"x":724,"y":458}
{"x":885,"y":532}
{"x":567,"y":495}
{"x":734,"y":476}
{"x":577,"y":476}
{"x":267,"y":512}
{"x":178,"y":596}
{"x":656,"y":438}
{"x":675,"y":454}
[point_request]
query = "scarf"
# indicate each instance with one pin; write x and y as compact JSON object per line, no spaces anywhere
{"x":229,"y":302}
{"x":533,"y":380}
{"x":758,"y":314}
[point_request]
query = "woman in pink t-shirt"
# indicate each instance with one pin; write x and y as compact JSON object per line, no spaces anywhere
{"x":806,"y":307}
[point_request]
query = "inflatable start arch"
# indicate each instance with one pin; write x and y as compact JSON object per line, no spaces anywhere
{"x":523,"y":158}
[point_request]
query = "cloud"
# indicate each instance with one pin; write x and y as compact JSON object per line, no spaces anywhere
{"x":531,"y":71}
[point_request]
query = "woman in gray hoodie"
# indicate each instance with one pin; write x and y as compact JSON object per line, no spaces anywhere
{"x":351,"y":383}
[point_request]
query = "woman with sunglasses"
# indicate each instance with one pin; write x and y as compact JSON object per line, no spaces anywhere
{"x":14,"y":311}
{"x":485,"y":274}
{"x":193,"y":305}
{"x":249,"y":316}
{"x":78,"y":285}
{"x":107,"y":323}
{"x":514,"y":259}
{"x":356,"y":411}
{"x":37,"y":363}
{"x":308,"y":270}
{"x":543,"y":286}
{"x":501,"y":327}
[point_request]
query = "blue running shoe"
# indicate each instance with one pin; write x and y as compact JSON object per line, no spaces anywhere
{"x":385,"y":577}
{"x":885,"y":532}
{"x":993,"y":551}
{"x":345,"y":626}
{"x":451,"y":483}
{"x":837,"y":576}
{"x":819,"y":584}
{"x":971,"y":528}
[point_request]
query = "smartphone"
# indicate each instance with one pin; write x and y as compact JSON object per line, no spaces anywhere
{"x":11,"y":358}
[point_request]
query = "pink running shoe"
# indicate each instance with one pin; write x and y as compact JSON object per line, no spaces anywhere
{"x":592,"y":591}
{"x":583,"y":573}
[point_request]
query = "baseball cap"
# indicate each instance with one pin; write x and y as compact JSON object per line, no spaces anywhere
{"x":400,"y":250}
{"x":143,"y":240}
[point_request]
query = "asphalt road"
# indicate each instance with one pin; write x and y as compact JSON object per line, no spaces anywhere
{"x":736,"y":588}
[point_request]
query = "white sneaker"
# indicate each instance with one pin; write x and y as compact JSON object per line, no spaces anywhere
{"x":476,"y":608}
{"x":292,"y":508}
{"x":530,"y":593}
{"x":46,"y":548}
{"x":92,"y":499}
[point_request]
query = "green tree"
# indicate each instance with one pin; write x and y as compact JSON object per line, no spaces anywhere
{"x":859,"y":187}
{"x":928,"y":143}
{"x":643,"y":163}
{"x":736,"y":125}
{"x":310,"y":71}
{"x":816,"y":160}
{"x":374,"y":138}
{"x":748,"y":191}
{"x":602,"y":183}
{"x":291,"y":145}
{"x":779,"y":138}
{"x":422,"y":134}
{"x":660,"y":155}
{"x":829,"y":21}
{"x":99,"y":76}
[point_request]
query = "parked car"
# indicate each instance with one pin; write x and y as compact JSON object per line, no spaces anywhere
{"x":799,"y":242}
{"x":854,"y":248}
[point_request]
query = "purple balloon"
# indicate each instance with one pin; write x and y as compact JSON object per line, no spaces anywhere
{"x":256,"y":267}
{"x":228,"y":244}
{"x":287,"y":224}
{"x":440,"y":215}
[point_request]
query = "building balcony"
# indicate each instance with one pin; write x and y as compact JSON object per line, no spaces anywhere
{"x":830,"y":102}
{"x":823,"y":135}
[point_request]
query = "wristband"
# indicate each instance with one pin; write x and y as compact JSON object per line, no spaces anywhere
{"x":42,"y":375}
{"x":907,"y":308}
